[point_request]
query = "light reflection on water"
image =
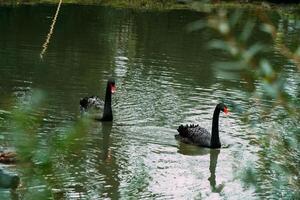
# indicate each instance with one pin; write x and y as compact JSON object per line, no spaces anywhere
{"x":160,"y":85}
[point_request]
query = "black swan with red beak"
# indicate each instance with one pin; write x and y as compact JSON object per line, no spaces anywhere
{"x":97,"y":105}
{"x":194,"y":134}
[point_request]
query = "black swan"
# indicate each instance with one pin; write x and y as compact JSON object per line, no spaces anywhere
{"x":97,"y":104}
{"x":194,"y":134}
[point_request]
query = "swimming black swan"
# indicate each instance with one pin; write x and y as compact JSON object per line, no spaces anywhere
{"x":194,"y":134}
{"x":97,"y":104}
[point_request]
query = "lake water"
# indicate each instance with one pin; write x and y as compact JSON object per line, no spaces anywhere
{"x":164,"y":76}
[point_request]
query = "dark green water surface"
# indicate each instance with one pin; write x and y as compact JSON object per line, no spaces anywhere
{"x":164,"y":77}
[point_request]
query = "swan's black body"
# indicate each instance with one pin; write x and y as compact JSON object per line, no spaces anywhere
{"x":194,"y":134}
{"x":97,"y":105}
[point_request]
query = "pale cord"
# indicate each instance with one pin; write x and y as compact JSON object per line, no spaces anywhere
{"x":45,"y":45}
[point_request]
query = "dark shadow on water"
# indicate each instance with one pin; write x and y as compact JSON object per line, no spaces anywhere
{"x":192,"y":150}
{"x":214,"y":153}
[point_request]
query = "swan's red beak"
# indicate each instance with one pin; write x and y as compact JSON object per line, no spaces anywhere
{"x":113,"y":89}
{"x":226,"y":111}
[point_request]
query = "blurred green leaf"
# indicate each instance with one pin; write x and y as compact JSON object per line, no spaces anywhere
{"x":222,"y":45}
{"x":42,"y":157}
{"x":267,"y":28}
{"x":266,"y":68}
{"x":224,"y":27}
{"x":71,"y":138}
{"x":235,"y":17}
{"x":4,"y":112}
{"x":298,"y":51}
{"x":231,"y":66}
{"x":196,"y":25}
{"x":247,"y":30}
{"x":271,"y":90}
{"x":252,"y":51}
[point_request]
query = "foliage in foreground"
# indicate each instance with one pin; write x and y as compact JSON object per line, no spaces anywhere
{"x":35,"y":160}
{"x":267,"y":83}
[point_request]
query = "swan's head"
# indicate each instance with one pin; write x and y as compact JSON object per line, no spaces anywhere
{"x":223,"y":108}
{"x":112,"y":86}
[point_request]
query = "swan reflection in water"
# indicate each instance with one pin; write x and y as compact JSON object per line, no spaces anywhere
{"x":106,"y":150}
{"x":214,"y":153}
{"x":192,"y":150}
{"x":108,"y":166}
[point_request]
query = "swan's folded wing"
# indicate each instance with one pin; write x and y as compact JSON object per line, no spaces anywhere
{"x":95,"y":103}
{"x":200,"y":136}
{"x":194,"y":134}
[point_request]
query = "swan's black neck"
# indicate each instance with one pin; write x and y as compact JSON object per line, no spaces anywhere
{"x":215,"y":140}
{"x":107,"y":112}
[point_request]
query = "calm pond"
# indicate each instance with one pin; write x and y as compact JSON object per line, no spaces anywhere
{"x":164,"y":77}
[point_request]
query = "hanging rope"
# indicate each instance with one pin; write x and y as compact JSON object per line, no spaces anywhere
{"x":45,"y":45}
